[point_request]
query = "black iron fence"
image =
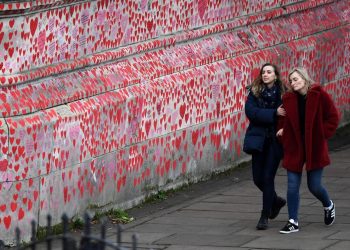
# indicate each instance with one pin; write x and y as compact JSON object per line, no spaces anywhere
{"x":87,"y":240}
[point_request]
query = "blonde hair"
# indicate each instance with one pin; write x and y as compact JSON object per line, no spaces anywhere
{"x":302,"y":72}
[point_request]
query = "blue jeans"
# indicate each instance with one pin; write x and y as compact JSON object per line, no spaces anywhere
{"x":314,"y":183}
{"x":264,"y":168}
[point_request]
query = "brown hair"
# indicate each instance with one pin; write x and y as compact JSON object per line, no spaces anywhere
{"x":258,"y":85}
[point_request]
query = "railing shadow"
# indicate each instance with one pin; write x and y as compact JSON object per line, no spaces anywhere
{"x":87,"y":241}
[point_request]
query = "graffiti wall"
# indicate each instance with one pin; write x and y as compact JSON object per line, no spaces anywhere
{"x":103,"y":102}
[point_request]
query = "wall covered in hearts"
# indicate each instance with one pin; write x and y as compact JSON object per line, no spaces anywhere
{"x":104,"y":102}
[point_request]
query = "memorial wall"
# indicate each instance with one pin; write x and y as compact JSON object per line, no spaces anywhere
{"x":103,"y":103}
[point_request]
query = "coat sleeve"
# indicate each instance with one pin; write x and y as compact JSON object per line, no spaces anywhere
{"x":330,"y":115}
{"x":280,"y":122}
{"x":257,"y":115}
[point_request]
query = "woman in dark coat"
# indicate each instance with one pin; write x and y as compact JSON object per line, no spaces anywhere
{"x":311,"y":119}
{"x":262,"y":109}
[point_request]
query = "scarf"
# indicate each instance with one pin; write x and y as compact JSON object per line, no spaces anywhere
{"x":269,"y":97}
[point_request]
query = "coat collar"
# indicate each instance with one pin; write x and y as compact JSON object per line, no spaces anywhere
{"x":312,"y":103}
{"x":290,"y":103}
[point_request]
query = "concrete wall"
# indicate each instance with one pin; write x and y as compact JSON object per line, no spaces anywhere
{"x":104,"y":102}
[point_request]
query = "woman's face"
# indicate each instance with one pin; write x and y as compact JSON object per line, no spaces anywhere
{"x":297,"y":83}
{"x":268,"y":75}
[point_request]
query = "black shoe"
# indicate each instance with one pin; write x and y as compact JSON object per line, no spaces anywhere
{"x":329,"y":215}
{"x":289,"y":228}
{"x":263,"y":221}
{"x":278,"y":204}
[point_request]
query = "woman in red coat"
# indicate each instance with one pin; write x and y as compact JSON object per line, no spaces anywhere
{"x":311,"y":119}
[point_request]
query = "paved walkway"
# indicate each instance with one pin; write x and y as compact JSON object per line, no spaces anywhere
{"x":222,"y":214}
{"x":225,"y":218}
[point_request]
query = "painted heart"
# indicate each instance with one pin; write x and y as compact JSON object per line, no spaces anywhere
{"x":144,"y":5}
{"x":33,"y":25}
{"x":41,"y":41}
{"x":3,"y":165}
{"x":19,"y":186}
{"x":7,"y":221}
{"x":149,"y":25}
{"x":20,"y":214}
{"x":65,"y":194}
{"x":182,"y":110}
{"x":195,"y":137}
{"x":13,"y":206}
{"x":30,"y":205}
{"x":11,"y":23}
{"x":202,"y":8}
{"x":1,"y":36}
{"x":3,"y":208}
{"x":147,"y":126}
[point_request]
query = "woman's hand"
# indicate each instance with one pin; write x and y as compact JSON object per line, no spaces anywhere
{"x":281,"y":111}
{"x":280,"y":132}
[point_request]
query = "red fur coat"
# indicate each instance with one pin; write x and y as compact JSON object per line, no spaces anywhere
{"x":321,"y":122}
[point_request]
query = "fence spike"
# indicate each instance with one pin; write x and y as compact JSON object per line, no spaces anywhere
{"x":134,"y":242}
{"x":85,"y":240}
{"x":65,"y":223}
{"x":49,"y":226}
{"x":103,"y":235}
{"x":18,"y":235}
{"x":65,"y":231}
{"x":119,"y":234}
{"x":33,"y":238}
{"x":49,"y":232}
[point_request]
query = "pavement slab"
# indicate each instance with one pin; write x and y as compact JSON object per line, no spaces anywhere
{"x":182,"y":247}
{"x":340,"y":245}
{"x":193,"y":239}
{"x":289,"y":242}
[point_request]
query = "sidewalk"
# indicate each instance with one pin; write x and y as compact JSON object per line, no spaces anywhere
{"x":222,"y":214}
{"x":226,"y":218}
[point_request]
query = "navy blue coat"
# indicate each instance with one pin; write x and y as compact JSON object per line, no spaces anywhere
{"x":263,"y":122}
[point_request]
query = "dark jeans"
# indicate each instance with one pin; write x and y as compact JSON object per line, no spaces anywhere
{"x":314,"y":183}
{"x":264,"y":168}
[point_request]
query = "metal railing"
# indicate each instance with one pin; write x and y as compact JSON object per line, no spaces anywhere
{"x":87,"y":241}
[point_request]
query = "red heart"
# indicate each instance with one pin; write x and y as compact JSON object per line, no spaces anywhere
{"x":11,"y":23}
{"x":41,"y":41}
{"x":1,"y":36}
{"x":19,"y":186}
{"x":149,"y":25}
{"x":30,"y":205}
{"x":3,"y":165}
{"x":147,"y":126}
{"x":36,"y":193}
{"x":65,"y":194}
{"x":7,"y":221}
{"x":202,"y":8}
{"x":20,"y":150}
{"x":195,"y":137}
{"x":204,"y":140}
{"x":182,"y":110}
{"x":20,"y":214}
{"x":33,"y":25}
{"x":3,"y":207}
{"x":13,"y":206}
{"x":6,"y":45}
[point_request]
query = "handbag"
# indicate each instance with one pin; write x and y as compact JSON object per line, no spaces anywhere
{"x":253,"y":144}
{"x":254,"y":140}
